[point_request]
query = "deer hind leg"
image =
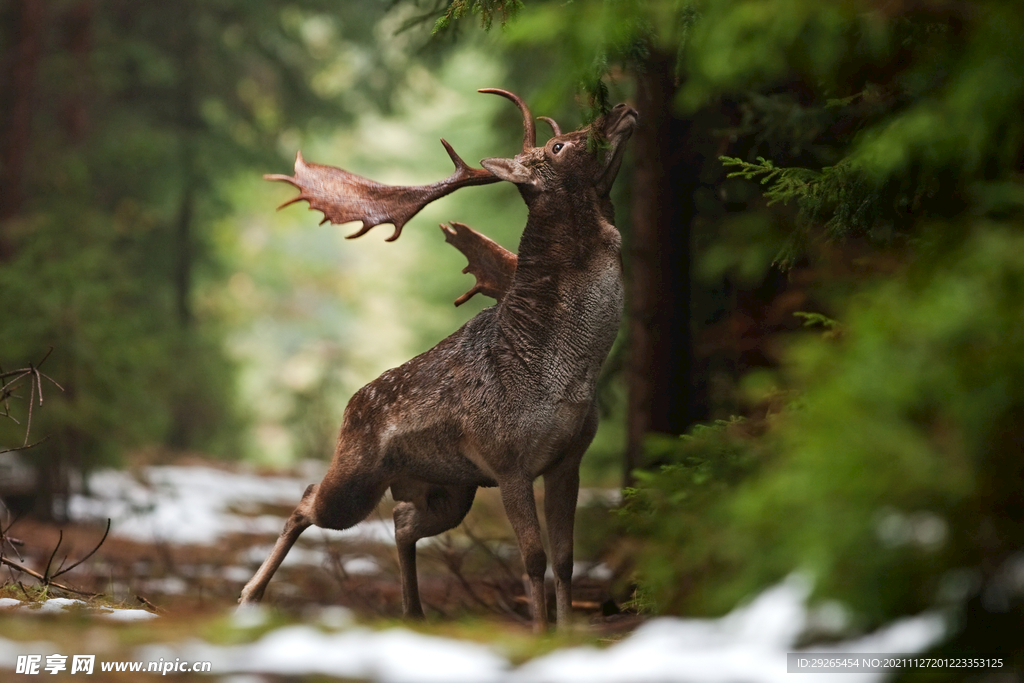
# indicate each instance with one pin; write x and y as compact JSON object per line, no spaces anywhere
{"x":422,"y":512}
{"x":299,"y":521}
{"x":341,"y":500}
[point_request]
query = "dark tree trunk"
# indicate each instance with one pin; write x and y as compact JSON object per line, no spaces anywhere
{"x":78,"y":37}
{"x":18,"y":95}
{"x":658,"y":278}
{"x":674,"y":157}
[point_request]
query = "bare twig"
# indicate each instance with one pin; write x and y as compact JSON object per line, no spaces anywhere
{"x":11,"y":380}
{"x":25,"y":447}
{"x":92,"y":552}
{"x":49,"y":562}
{"x":7,"y":540}
{"x":46,"y":578}
{"x":31,"y":402}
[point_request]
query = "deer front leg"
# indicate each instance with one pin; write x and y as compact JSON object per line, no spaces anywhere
{"x":300,"y":520}
{"x":424,"y":511}
{"x":521,"y":509}
{"x":561,"y":489}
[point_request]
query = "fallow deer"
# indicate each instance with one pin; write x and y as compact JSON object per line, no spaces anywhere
{"x":510,"y":396}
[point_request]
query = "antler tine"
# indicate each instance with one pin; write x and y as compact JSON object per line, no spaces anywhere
{"x":529,"y":128}
{"x":551,"y":122}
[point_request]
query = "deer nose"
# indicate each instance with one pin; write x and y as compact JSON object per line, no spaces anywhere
{"x":622,"y":109}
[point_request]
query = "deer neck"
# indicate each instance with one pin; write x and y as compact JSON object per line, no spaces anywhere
{"x":561,"y":313}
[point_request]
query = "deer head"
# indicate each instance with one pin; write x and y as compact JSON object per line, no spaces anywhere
{"x":567,"y":162}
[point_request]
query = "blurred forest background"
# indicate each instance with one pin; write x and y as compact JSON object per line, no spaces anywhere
{"x":820,"y":367}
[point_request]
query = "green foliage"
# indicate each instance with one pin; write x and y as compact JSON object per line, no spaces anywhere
{"x":487,"y":9}
{"x":677,"y":509}
{"x":898,"y":470}
{"x":894,"y":483}
{"x":138,"y":128}
{"x":943,"y":118}
{"x":785,"y":183}
{"x":118,"y":350}
{"x":892,"y":479}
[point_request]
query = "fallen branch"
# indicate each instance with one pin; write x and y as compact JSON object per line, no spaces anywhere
{"x":48,"y":579}
{"x":46,"y":582}
{"x":148,"y":604}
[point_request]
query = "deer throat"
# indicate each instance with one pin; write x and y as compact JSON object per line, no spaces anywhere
{"x":555,"y":332}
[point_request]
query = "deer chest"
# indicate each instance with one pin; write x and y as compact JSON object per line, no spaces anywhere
{"x":582,"y":332}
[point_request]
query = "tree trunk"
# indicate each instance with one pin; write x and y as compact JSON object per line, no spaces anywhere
{"x":658,"y":278}
{"x":674,"y":157}
{"x":19,"y":94}
{"x":78,"y":38}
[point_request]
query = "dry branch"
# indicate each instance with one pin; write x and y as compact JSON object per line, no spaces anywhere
{"x":11,"y":380}
{"x":48,"y":579}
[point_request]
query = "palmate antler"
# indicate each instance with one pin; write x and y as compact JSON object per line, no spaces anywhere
{"x":345,"y":197}
{"x":490,"y":263}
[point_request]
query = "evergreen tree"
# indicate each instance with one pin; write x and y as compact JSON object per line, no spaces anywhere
{"x":122,"y":124}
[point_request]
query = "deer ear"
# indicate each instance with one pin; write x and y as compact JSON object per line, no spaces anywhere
{"x":508,"y":169}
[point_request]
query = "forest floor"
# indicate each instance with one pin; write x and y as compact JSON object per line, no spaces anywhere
{"x":188,"y":536}
{"x":185,"y":537}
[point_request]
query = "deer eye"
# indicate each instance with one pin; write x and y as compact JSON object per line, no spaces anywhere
{"x":557,"y":147}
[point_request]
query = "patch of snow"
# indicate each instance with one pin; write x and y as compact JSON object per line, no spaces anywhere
{"x":57,"y":605}
{"x":368,"y":531}
{"x":361,"y":565}
{"x":392,"y":656}
{"x":167,"y":585}
{"x":336,"y":617}
{"x":60,"y":606}
{"x":750,"y":644}
{"x":10,"y":650}
{"x":249,"y":616}
{"x":237,"y":574}
{"x":594,"y":570}
{"x":194,"y":505}
{"x":127,"y":615}
{"x":594,"y":496}
{"x":295,"y":557}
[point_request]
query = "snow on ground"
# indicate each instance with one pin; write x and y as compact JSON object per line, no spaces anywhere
{"x":747,"y":646}
{"x":200,"y":505}
{"x":61,"y":605}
